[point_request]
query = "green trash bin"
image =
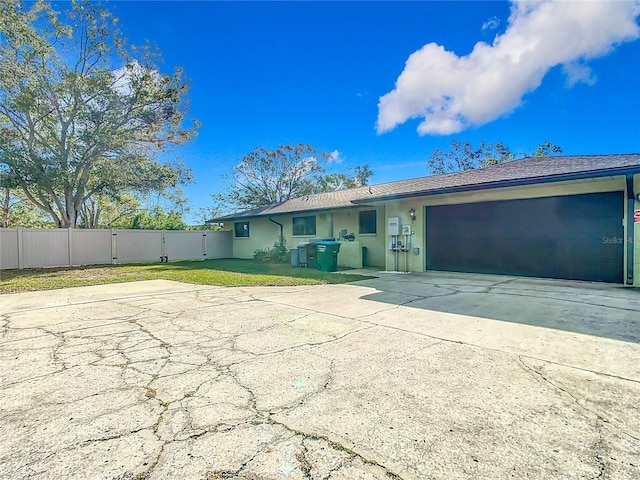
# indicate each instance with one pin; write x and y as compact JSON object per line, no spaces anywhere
{"x":328,"y":255}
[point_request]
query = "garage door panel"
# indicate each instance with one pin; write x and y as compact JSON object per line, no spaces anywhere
{"x":556,"y":237}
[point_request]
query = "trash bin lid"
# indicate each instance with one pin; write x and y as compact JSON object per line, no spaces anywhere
{"x":328,"y":242}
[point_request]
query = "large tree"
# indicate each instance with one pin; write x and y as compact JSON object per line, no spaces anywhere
{"x":84,"y":115}
{"x":267,"y":176}
{"x":466,"y":156}
{"x":154,"y":218}
{"x":16,"y":211}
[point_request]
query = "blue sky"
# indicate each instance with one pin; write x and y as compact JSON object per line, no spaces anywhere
{"x":271,"y":73}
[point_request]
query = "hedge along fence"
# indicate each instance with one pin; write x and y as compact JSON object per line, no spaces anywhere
{"x":32,"y":248}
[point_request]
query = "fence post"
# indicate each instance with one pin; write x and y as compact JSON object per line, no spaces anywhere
{"x":70,"y":245}
{"x":20,"y":249}
{"x":114,"y":247}
{"x":204,"y":245}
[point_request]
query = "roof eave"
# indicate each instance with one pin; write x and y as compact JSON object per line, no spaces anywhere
{"x":505,"y":183}
{"x":277,"y":214}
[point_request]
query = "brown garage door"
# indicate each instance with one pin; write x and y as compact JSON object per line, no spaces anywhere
{"x":577,"y":237}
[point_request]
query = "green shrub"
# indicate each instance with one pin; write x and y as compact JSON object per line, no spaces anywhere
{"x":277,"y":254}
{"x":262,"y":255}
{"x":280,"y":253}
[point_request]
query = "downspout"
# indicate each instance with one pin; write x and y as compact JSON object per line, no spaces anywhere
{"x":281,"y":227}
{"x":630,"y":227}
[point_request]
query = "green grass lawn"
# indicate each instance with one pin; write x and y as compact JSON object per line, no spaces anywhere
{"x":231,"y":272}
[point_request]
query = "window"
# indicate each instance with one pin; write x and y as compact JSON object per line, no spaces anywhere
{"x":241,"y":229}
{"x":367,"y":221}
{"x":304,"y":225}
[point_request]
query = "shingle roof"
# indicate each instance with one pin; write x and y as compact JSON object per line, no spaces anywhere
{"x":528,"y":170}
{"x":318,"y":201}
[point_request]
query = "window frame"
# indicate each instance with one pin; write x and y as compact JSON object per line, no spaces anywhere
{"x":307,"y":232}
{"x":375,"y":222}
{"x":235,"y":229}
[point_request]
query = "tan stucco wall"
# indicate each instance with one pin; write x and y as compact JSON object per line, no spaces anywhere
{"x":400,"y":208}
{"x":636,"y":233}
{"x":409,"y":261}
{"x":635,"y":238}
{"x":264,"y":233}
{"x":375,"y":243}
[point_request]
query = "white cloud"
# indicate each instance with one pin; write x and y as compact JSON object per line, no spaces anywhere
{"x":578,"y":73}
{"x":335,"y":157}
{"x":491,"y":24}
{"x":124,"y":76}
{"x":452,"y":93}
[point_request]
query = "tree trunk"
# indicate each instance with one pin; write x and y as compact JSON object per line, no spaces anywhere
{"x":5,"y":208}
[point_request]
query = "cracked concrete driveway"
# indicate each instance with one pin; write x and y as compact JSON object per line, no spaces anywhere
{"x":411,"y":376}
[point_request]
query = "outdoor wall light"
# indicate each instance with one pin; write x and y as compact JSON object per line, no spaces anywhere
{"x":412,"y":214}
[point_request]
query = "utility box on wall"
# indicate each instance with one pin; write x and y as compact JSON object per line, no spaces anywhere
{"x":393,"y":226}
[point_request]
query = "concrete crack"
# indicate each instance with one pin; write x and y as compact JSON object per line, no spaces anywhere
{"x":337,"y":446}
{"x":481,"y":347}
{"x":540,"y":376}
{"x":500,"y":283}
{"x":334,"y":470}
{"x":600,"y":420}
{"x":295,"y":347}
{"x":583,"y":301}
{"x":600,"y":448}
{"x":56,"y":349}
{"x":147,"y":473}
{"x":253,"y":402}
{"x":30,"y":379}
{"x":305,"y":466}
{"x":112,"y":437}
{"x":219,"y":474}
{"x":4,"y":328}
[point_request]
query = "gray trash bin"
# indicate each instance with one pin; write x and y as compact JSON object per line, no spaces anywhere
{"x":302,"y":255}
{"x":295,"y":259}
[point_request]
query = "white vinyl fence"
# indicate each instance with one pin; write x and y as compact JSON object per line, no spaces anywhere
{"x":27,"y":247}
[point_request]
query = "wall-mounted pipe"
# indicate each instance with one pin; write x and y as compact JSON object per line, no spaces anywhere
{"x":631,"y":197}
{"x":281,"y":227}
